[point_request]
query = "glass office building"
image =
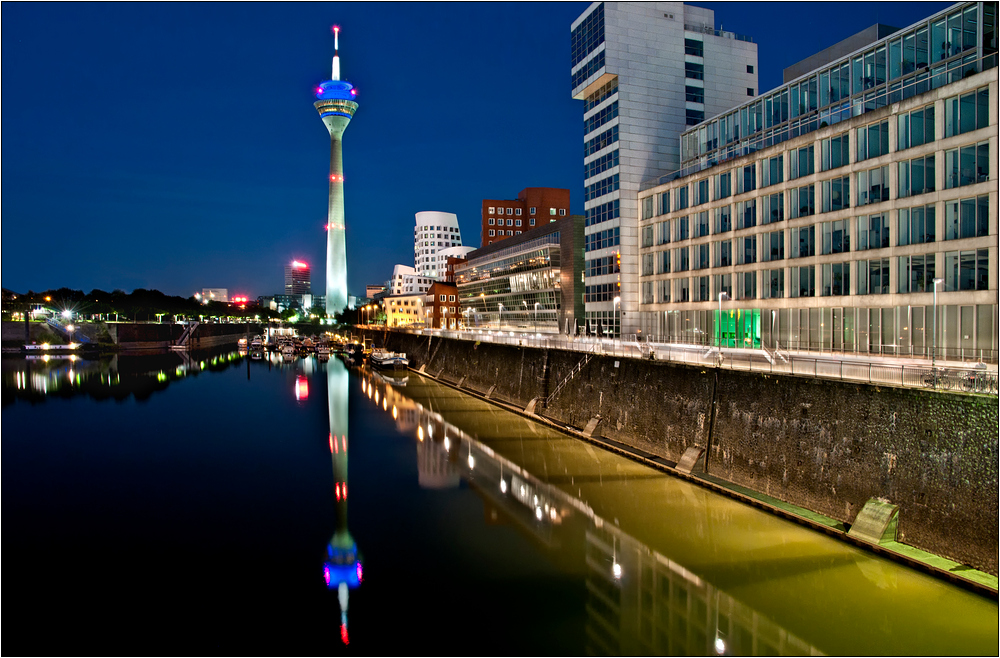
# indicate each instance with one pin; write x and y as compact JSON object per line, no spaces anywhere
{"x":841,"y":210}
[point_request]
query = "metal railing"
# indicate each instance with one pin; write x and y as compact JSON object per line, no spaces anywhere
{"x":783,"y":359}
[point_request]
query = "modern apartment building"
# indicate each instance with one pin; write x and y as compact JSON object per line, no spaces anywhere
{"x":851,"y":209}
{"x":406,"y":281}
{"x":534,"y":206}
{"x":645,"y":72}
{"x":529,"y":282}
{"x":434,"y":232}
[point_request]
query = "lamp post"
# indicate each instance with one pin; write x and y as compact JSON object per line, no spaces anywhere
{"x":618,"y":305}
{"x":525,"y":302}
{"x":722,"y":295}
{"x":500,"y":317}
{"x":934,"y":352}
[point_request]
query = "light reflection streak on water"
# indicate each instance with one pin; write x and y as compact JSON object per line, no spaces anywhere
{"x":641,"y":600}
{"x":41,"y":375}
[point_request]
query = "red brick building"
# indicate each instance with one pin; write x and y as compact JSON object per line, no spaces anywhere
{"x":442,"y":308}
{"x":534,"y":206}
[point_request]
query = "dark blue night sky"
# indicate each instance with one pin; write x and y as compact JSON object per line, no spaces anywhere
{"x":175,"y":146}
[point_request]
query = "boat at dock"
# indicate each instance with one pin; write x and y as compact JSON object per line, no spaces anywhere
{"x":385,"y":360}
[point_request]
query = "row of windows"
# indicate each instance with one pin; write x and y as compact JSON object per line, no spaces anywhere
{"x":600,"y":165}
{"x":600,"y":188}
{"x":602,"y":265}
{"x":963,"y":270}
{"x":600,"y":118}
{"x":601,"y":239}
{"x":965,"y":218}
{"x":602,"y":213}
{"x":963,"y":166}
{"x":602,"y":292}
{"x":587,"y":70}
{"x":510,"y":222}
{"x":606,"y":138}
{"x":587,"y":36}
{"x":502,"y":233}
{"x":510,"y":211}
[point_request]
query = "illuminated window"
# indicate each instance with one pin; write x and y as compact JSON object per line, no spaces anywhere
{"x":491,"y":210}
{"x":552,"y":211}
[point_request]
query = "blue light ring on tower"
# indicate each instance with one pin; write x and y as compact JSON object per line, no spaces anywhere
{"x":339,"y":89}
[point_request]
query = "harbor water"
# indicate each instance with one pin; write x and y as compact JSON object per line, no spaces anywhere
{"x":215,"y":503}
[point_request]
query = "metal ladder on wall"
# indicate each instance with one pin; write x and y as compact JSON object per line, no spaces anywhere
{"x":187,"y":333}
{"x":573,"y":373}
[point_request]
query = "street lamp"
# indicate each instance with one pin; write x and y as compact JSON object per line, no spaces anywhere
{"x":618,"y":305}
{"x":934,"y":353}
{"x":725,"y":296}
{"x":525,"y":309}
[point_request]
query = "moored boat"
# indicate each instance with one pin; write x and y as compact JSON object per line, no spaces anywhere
{"x":385,"y":360}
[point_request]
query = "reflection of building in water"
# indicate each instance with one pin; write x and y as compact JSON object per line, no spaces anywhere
{"x":434,"y":468}
{"x":342,"y":568}
{"x":638,"y":601}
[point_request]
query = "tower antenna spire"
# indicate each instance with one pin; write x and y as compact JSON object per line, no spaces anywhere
{"x":336,"y":57}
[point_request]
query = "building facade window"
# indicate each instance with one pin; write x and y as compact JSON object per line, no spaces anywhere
{"x":724,"y":185}
{"x":836,"y":237}
{"x":804,"y":281}
{"x":694,"y":71}
{"x":967,"y":165}
{"x":873,"y":140}
{"x":803,"y":242}
{"x":915,"y":128}
{"x":873,"y":185}
{"x":772,"y":208}
{"x":967,"y":218}
{"x":746,"y":178}
{"x":873,"y":232}
{"x":836,"y":279}
{"x":916,"y":273}
{"x":773,"y":247}
{"x":966,"y":112}
{"x":723,"y":219}
{"x":803,"y":162}
{"x":966,"y":270}
{"x":835,"y":151}
{"x":873,"y":276}
{"x":836,"y":194}
{"x":772,"y":171}
{"x":803,"y":201}
{"x":700,"y":192}
{"x":694,"y":47}
{"x":746,"y":214}
{"x":916,"y":225}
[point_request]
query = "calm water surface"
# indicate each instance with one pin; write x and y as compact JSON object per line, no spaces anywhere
{"x":210,"y":503}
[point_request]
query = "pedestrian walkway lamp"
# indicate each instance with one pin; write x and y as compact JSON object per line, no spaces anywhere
{"x":722,"y":296}
{"x":934,"y":352}
{"x":618,"y":305}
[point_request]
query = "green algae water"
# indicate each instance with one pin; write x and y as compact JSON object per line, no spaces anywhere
{"x":212,"y":503}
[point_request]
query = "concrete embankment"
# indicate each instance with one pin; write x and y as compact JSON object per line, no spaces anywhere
{"x":826,"y":446}
{"x":131,"y":337}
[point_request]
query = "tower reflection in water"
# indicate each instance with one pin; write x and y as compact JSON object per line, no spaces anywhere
{"x":638,"y":600}
{"x":342,"y":569}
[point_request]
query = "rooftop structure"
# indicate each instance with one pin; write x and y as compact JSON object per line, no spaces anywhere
{"x":934,"y":52}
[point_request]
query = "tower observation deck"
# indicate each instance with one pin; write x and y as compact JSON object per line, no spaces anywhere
{"x":336,"y":106}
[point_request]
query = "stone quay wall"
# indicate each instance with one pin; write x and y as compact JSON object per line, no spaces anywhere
{"x":140,"y":336}
{"x":828,"y":446}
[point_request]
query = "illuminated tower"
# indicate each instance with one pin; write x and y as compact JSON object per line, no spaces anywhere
{"x":336,"y":106}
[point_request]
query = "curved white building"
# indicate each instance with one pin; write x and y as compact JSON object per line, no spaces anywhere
{"x":434,"y":232}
